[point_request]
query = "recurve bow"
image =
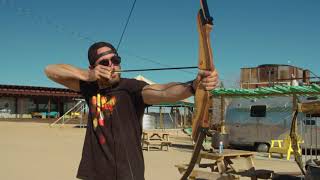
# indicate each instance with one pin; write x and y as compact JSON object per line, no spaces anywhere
{"x":200,"y":120}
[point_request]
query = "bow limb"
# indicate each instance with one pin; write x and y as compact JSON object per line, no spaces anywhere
{"x":294,"y":141}
{"x":200,"y":120}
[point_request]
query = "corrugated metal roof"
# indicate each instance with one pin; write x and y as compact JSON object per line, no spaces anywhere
{"x":15,"y":90}
{"x":175,"y":104}
{"x":283,"y":90}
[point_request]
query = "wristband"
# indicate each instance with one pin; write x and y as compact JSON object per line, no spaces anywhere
{"x":192,"y":90}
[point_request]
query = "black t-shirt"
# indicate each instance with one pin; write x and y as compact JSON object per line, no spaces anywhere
{"x":112,"y":147}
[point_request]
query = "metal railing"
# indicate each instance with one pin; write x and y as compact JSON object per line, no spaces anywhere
{"x":309,"y":128}
{"x":76,"y":111}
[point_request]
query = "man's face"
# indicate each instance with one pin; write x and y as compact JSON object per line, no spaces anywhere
{"x":107,"y":60}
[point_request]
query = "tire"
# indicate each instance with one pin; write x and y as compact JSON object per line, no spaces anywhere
{"x":262,"y":147}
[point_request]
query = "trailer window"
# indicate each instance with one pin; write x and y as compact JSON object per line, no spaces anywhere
{"x":310,"y":122}
{"x":258,"y":111}
{"x":312,"y":98}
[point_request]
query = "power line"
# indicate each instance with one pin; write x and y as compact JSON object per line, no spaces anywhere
{"x":44,"y":20}
{"x":27,"y":12}
{"x":125,"y":27}
{"x":314,"y":75}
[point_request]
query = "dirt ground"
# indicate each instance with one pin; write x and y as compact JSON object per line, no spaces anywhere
{"x":36,"y":151}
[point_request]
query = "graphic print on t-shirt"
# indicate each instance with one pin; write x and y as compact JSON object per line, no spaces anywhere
{"x":101,"y":110}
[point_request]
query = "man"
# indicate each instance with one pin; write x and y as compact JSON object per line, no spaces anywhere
{"x":112,"y":147}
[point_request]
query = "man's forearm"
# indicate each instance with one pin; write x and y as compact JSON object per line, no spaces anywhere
{"x":66,"y":72}
{"x":171,"y":92}
{"x":177,"y":91}
{"x":67,"y":75}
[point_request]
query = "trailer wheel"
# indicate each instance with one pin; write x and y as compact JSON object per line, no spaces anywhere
{"x":262,"y":147}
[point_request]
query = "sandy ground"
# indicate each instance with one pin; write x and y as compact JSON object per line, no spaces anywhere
{"x":36,"y":151}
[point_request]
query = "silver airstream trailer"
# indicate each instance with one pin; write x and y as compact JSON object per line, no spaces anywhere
{"x":255,"y":122}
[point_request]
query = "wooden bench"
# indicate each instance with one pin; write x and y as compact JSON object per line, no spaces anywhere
{"x":201,"y":174}
{"x":225,"y":165}
{"x":166,"y":144}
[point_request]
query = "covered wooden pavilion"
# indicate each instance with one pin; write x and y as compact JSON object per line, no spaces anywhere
{"x":25,"y":101}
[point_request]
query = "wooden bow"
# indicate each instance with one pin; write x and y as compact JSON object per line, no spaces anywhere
{"x":202,"y":97}
{"x":200,"y":120}
{"x":294,"y":141}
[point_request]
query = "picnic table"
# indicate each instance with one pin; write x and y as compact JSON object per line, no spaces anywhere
{"x":221,"y":164}
{"x":155,"y":139}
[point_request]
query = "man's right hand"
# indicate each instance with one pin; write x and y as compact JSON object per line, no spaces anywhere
{"x":100,"y":72}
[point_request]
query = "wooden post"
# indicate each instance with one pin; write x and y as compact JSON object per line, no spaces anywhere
{"x":184,"y":117}
{"x":17,"y":108}
{"x":294,"y":105}
{"x":161,"y":118}
{"x":49,"y":105}
{"x":37,"y":105}
{"x":176,"y":116}
{"x":59,"y":107}
{"x":222,"y":120}
{"x":294,"y":102}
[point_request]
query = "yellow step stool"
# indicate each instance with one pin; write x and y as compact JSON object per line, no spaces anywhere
{"x":283,"y":147}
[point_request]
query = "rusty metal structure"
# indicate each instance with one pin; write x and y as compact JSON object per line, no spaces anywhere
{"x":26,"y":101}
{"x":268,"y":75}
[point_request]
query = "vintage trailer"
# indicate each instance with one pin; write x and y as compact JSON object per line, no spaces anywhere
{"x":254,"y":122}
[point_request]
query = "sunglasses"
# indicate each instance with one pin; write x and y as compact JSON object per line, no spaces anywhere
{"x":116,"y":60}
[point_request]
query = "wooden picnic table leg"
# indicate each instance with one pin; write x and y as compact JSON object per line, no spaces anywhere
{"x":221,"y":166}
{"x":165,"y":137}
{"x":146,"y":140}
{"x":228,"y":162}
{"x":251,"y":168}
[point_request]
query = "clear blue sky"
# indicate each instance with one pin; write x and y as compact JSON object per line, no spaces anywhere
{"x":247,"y":33}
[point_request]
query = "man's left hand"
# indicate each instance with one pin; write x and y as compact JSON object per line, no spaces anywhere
{"x":207,"y":79}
